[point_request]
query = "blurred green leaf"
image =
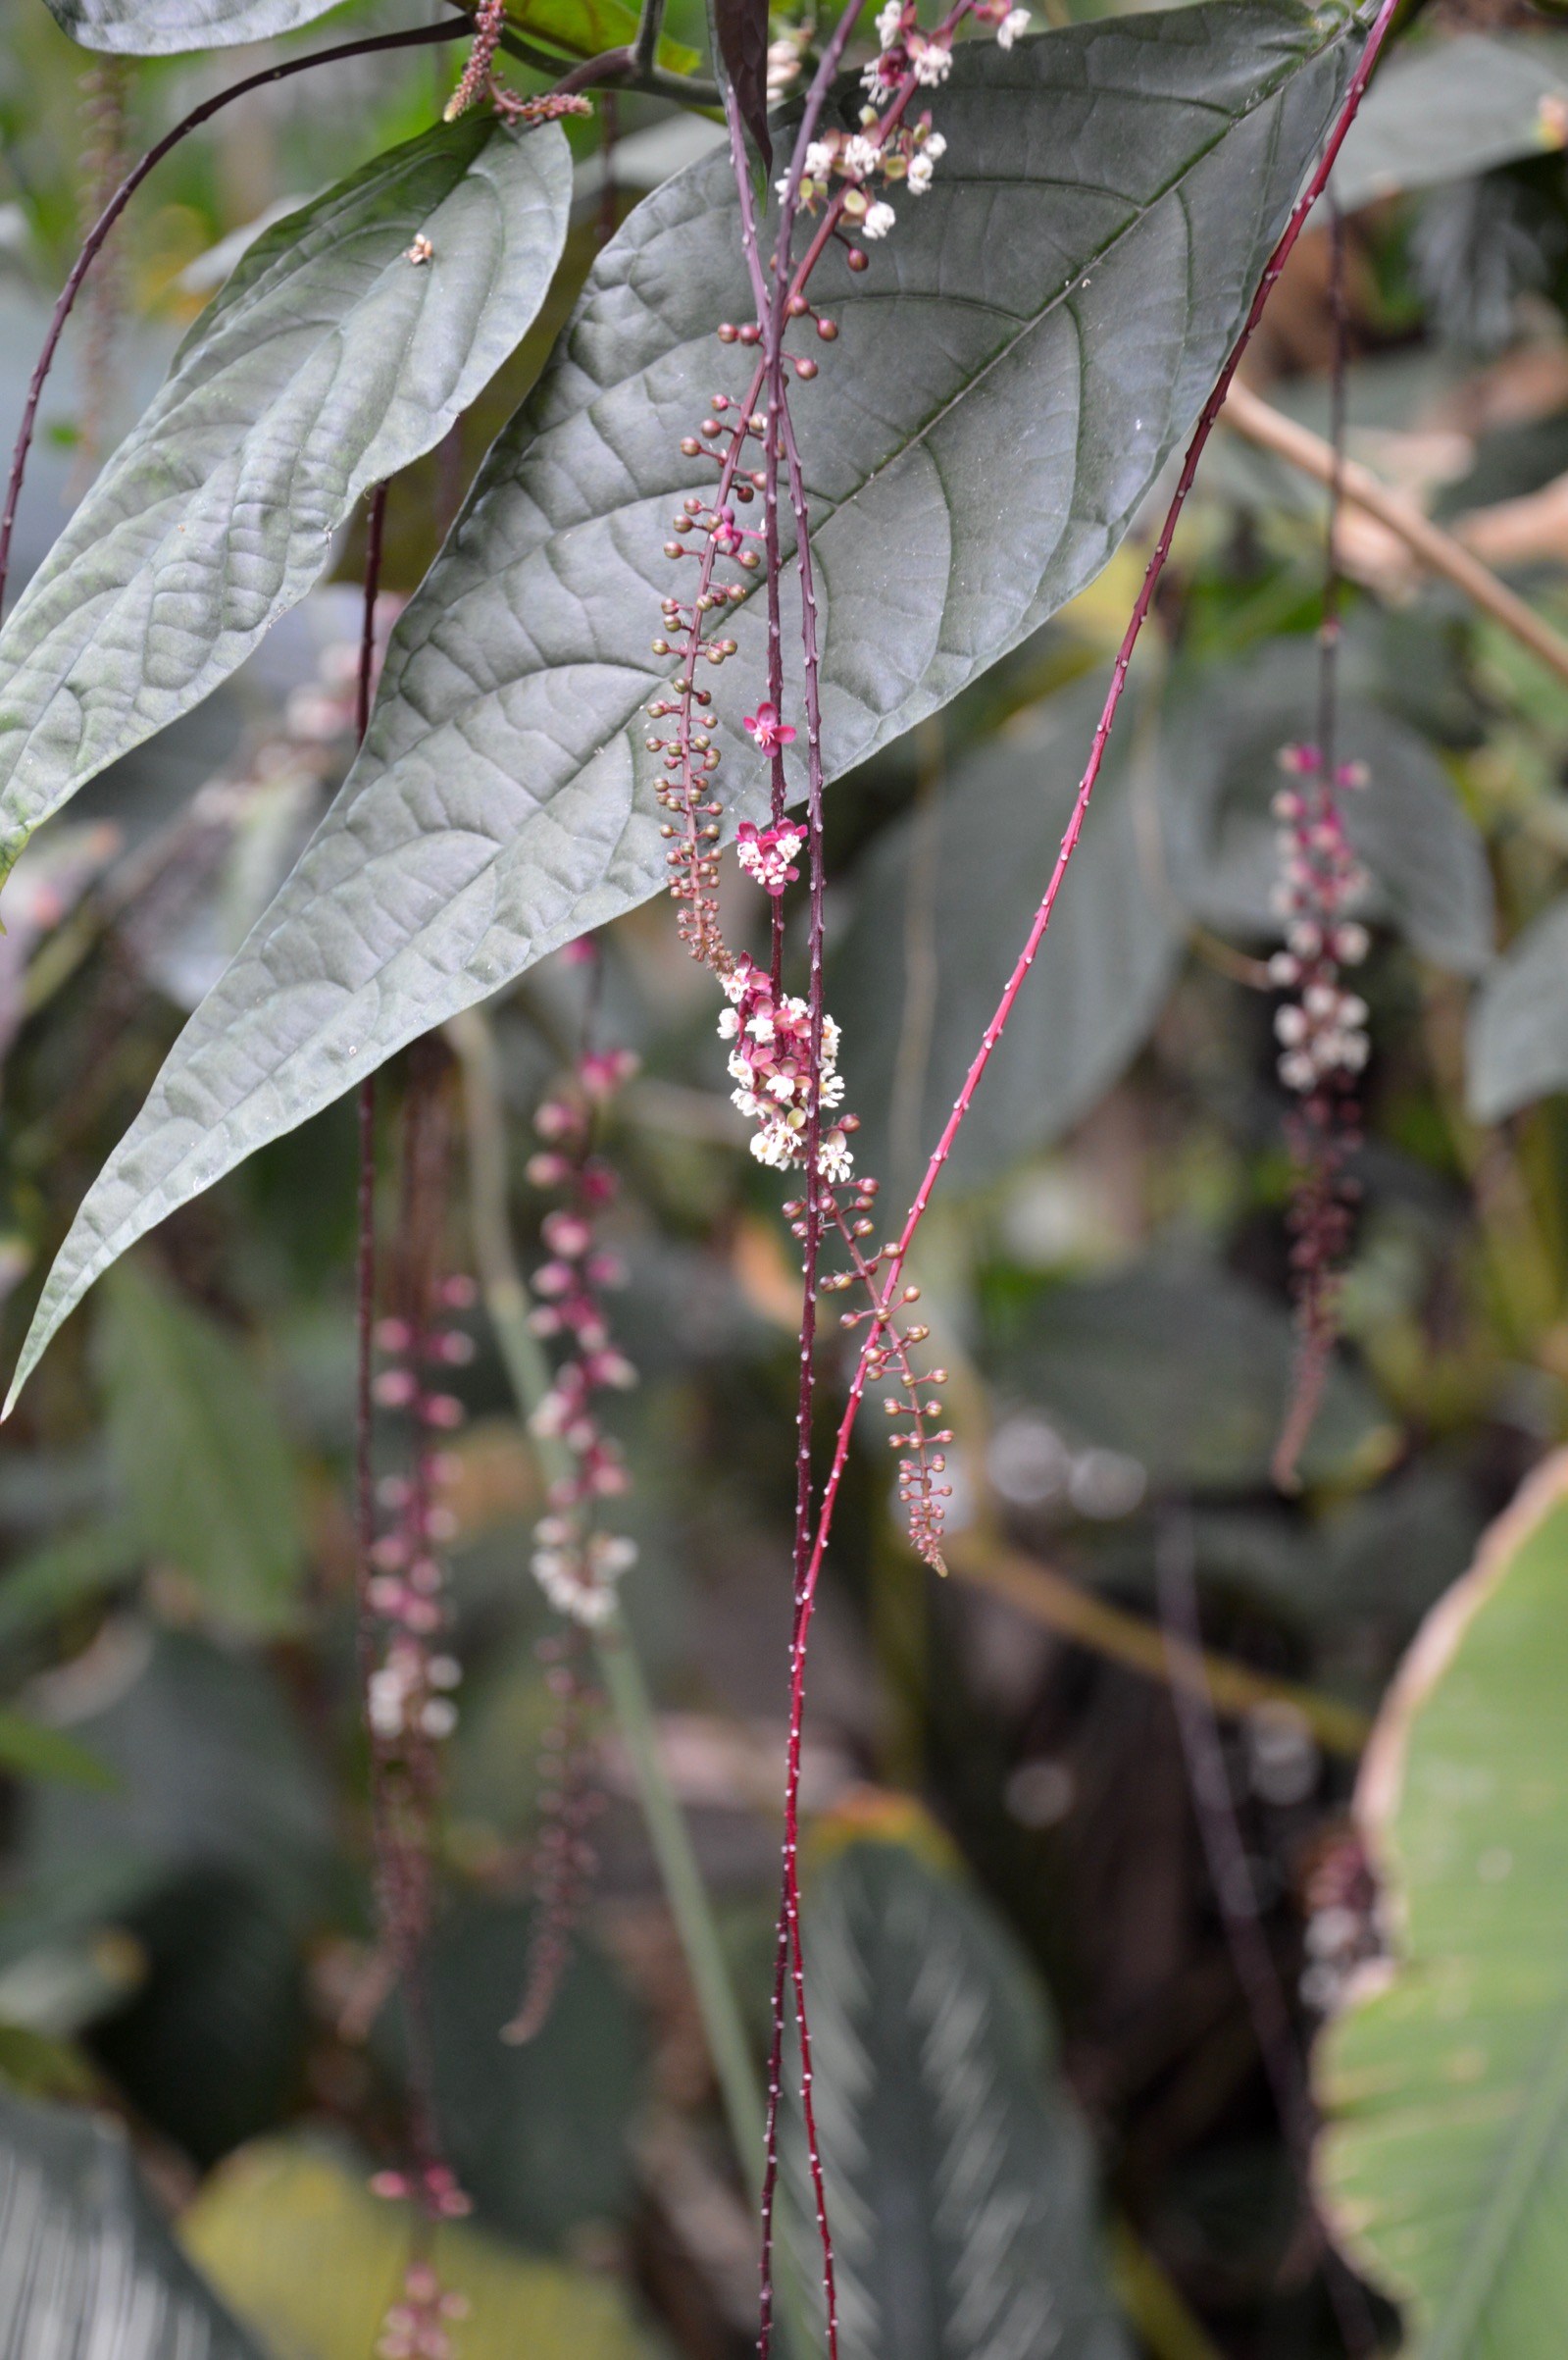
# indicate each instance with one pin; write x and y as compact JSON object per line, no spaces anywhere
{"x":504,"y":800}
{"x":213,"y":1768}
{"x":1186,"y":1368}
{"x":31,"y":1749}
{"x":1517,"y":1050}
{"x":87,"y":2266}
{"x":1452,"y":108}
{"x":1445,"y":2083}
{"x":289,"y":2233}
{"x":201,"y":1452}
{"x":1220,"y":737}
{"x":167,"y":27}
{"x":38,"y":2065}
{"x":584,"y":28}
{"x":211,"y":2047}
{"x":959,"y":2175}
{"x":64,"y":1573}
{"x":538,"y":2134}
{"x":944,"y":903}
{"x":329,"y":361}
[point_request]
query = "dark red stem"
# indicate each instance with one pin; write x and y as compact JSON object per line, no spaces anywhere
{"x":418,"y":37}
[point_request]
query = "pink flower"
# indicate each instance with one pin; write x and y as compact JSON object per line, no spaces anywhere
{"x":767,"y":855}
{"x":767,"y":730}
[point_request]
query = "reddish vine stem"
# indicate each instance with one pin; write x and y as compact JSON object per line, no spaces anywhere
{"x":882,"y":1318}
{"x":420,"y":36}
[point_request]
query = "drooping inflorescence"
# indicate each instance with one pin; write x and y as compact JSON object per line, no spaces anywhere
{"x":576,"y":1563}
{"x":1321,"y":1028}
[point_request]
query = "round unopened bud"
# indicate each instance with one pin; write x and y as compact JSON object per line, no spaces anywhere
{"x":857,"y":259}
{"x":728,"y":331}
{"x":828,"y":330}
{"x":805,"y":367}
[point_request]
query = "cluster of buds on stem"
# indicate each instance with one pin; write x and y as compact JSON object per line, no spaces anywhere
{"x":417,"y":2326}
{"x":479,"y":79}
{"x":921,"y":1444}
{"x":410,"y":1701}
{"x":564,"y":1858}
{"x":575,"y":1564}
{"x":1320,"y":1027}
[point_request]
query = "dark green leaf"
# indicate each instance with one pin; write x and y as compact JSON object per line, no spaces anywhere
{"x":1013,"y":371}
{"x":201,"y":1452}
{"x":210,"y":2047}
{"x":329,"y":361}
{"x":539,"y":2134}
{"x":64,"y":1573}
{"x":1220,"y":741}
{"x":1518,"y":1047}
{"x":86,"y":2264}
{"x":1187,"y":1371}
{"x":164,"y":27}
{"x":938,"y":923}
{"x":31,"y":1749}
{"x":1450,"y":109}
{"x":211,"y":1767}
{"x":959,"y":2172}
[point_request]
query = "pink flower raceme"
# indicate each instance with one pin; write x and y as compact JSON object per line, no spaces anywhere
{"x":767,"y":730}
{"x":768,"y":854}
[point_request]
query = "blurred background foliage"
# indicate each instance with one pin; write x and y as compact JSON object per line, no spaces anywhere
{"x":994,"y":1764}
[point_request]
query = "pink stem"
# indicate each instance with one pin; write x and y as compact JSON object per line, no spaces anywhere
{"x":1043,"y":917}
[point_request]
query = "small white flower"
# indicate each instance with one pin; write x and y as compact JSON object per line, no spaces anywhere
{"x":1012,"y":25}
{"x":438,"y":1718}
{"x":919,"y":175}
{"x":933,"y":63}
{"x":880,"y":219}
{"x":729,"y":1024}
{"x":782,"y":187}
{"x":861,"y":156}
{"x":935,"y":147}
{"x":831,"y":1091}
{"x":782,"y":1086}
{"x":891,"y":23}
{"x":760,"y":1027}
{"x":834,"y":1160}
{"x":819,"y":160}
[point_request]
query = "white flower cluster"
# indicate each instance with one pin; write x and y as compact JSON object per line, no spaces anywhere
{"x":1322,"y":1031}
{"x":771,"y":1066}
{"x":399,"y":1696}
{"x":577,"y":1570}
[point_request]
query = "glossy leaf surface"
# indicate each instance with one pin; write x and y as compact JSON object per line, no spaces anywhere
{"x":329,"y":360}
{"x":86,"y":2264}
{"x":959,"y":2172}
{"x":1011,"y":375}
{"x":1445,"y":2082}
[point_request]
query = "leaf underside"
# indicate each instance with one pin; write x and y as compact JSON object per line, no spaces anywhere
{"x":329,"y":361}
{"x":1444,"y":2163}
{"x":85,"y":2265}
{"x":1012,"y":374}
{"x":962,"y":2213}
{"x":166,"y":27}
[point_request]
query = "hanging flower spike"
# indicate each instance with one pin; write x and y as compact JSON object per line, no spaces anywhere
{"x":766,"y":730}
{"x":767,"y":854}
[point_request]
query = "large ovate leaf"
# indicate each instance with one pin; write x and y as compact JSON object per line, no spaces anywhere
{"x":1518,"y":1042}
{"x":1012,"y":372}
{"x":959,"y":2172}
{"x":1444,"y":2163}
{"x":329,"y":360}
{"x":939,"y":924}
{"x":1452,"y":108}
{"x":202,"y":1454}
{"x":289,"y":2233}
{"x":88,"y":2269}
{"x":164,"y":27}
